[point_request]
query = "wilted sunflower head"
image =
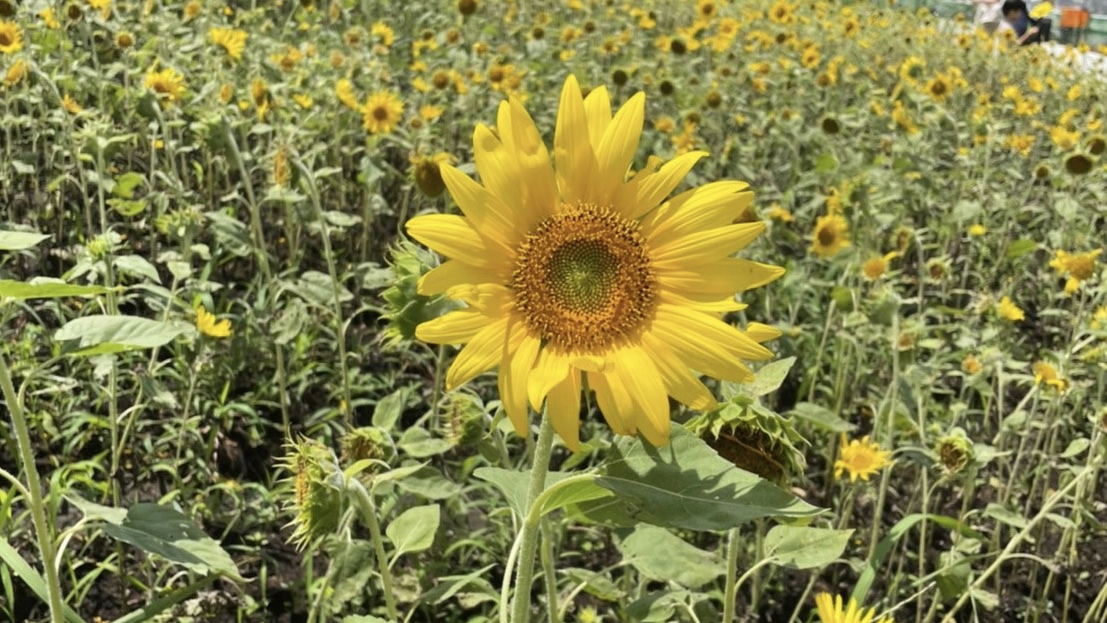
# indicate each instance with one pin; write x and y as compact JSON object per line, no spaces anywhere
{"x":754,"y":439}
{"x":1097,"y":145}
{"x":405,"y":308}
{"x":367,"y":443}
{"x":1078,"y":164}
{"x":466,"y":418}
{"x":955,"y":451}
{"x":830,"y":125}
{"x":318,"y":501}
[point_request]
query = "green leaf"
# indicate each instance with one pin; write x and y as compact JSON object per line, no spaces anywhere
{"x":657,"y":607}
{"x":660,"y":555}
{"x":513,"y":484}
{"x":769,"y":377}
{"x":19,"y":240}
{"x":128,"y":207}
{"x":1076,"y":447}
{"x":822,"y":417}
{"x":596,"y":584}
{"x":429,"y":483}
{"x":104,"y":334}
{"x":138,"y":266}
{"x":419,"y":443}
{"x":126,"y":184}
{"x":568,"y":493}
{"x":165,"y":532}
{"x":1020,"y":248}
{"x":364,"y":618}
{"x":11,"y":559}
{"x":688,"y":485}
{"x":826,"y":163}
{"x":46,"y":289}
{"x":805,"y":548}
{"x":390,"y":408}
{"x":868,"y":575}
{"x":1003,"y":515}
{"x":413,"y":530}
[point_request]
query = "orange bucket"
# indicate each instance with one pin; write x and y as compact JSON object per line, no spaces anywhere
{"x":1072,"y":17}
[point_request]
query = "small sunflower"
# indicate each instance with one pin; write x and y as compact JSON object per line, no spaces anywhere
{"x":11,"y":37}
{"x":577,"y":277}
{"x":382,"y":112}
{"x":860,"y":458}
{"x":1008,"y":310}
{"x":832,"y":610}
{"x":208,"y":325}
{"x":232,"y":40}
{"x":831,"y":235}
{"x":976,"y":230}
{"x":1045,"y":373}
{"x":16,"y":73}
{"x":167,"y":84}
{"x":875,"y":267}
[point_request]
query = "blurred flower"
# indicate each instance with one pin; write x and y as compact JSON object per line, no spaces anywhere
{"x":1009,"y":311}
{"x":16,"y":73}
{"x":955,"y":451}
{"x":831,"y":235}
{"x":207,"y":324}
{"x":232,"y":40}
{"x":1099,"y":318}
{"x":384,"y":34}
{"x":971,"y":365}
{"x":70,"y":105}
{"x":1078,"y":164}
{"x":861,"y":459}
{"x":11,"y":37}
{"x":167,"y":84}
{"x":1044,"y":372}
{"x":1077,"y":267}
{"x":192,"y":10}
{"x":344,"y":90}
{"x":976,"y":230}
{"x":467,"y":7}
{"x":382,"y":112}
{"x":49,"y":19}
{"x":1020,"y":143}
{"x":1064,"y":139}
{"x":875,"y":267}
{"x":832,"y":610}
{"x":779,"y":213}
{"x":426,"y":173}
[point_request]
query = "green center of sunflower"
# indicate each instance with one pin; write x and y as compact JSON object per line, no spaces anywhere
{"x":583,"y":280}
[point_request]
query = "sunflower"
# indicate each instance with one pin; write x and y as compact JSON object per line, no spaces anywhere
{"x":1078,"y":164}
{"x":1063,"y":138}
{"x":875,"y":267}
{"x":382,"y":112}
{"x":1044,"y":372}
{"x":230,"y":39}
{"x":831,"y":235}
{"x":208,"y":325}
{"x":860,"y":458}
{"x":167,"y":84}
{"x":11,"y":37}
{"x":1008,"y":310}
{"x":16,"y":73}
{"x":832,"y":610}
{"x":782,"y":12}
{"x":576,"y":276}
{"x":939,"y":88}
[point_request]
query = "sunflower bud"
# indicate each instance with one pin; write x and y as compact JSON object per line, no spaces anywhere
{"x":405,"y":307}
{"x":955,"y":451}
{"x":318,"y":501}
{"x":465,"y":417}
{"x":368,"y":442}
{"x":753,"y":438}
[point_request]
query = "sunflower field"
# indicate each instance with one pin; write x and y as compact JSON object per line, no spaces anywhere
{"x":577,"y":311}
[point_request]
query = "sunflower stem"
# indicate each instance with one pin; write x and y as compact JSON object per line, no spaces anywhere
{"x":369,"y":513}
{"x":730,"y":594}
{"x":43,"y":532}
{"x":528,"y":542}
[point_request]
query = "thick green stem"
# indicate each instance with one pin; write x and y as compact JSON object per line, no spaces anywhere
{"x":43,"y":531}
{"x":549,"y":572}
{"x":369,"y":513}
{"x":730,"y":594}
{"x":529,"y":538}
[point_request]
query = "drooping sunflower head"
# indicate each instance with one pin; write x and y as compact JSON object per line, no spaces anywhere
{"x":577,"y":275}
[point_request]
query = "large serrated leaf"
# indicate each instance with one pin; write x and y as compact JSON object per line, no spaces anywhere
{"x":805,"y":548}
{"x":688,"y":485}
{"x":102,"y":333}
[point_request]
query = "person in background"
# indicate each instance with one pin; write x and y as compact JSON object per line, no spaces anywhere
{"x":988,"y":14}
{"x":1027,"y":29}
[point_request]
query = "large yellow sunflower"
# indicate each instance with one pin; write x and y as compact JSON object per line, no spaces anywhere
{"x":577,"y":277}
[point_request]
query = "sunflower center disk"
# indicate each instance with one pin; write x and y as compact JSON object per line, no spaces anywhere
{"x":583,"y":279}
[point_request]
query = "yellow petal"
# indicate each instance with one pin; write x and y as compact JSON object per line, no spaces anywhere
{"x":652,"y":189}
{"x":639,"y":375}
{"x":515,"y":369}
{"x":617,"y":149}
{"x":597,"y":106}
{"x":762,"y":332}
{"x":563,"y":409}
{"x":572,"y":150}
{"x":680,"y":383}
{"x":710,"y":206}
{"x":523,"y":140}
{"x":482,"y":353}
{"x":456,"y":327}
{"x":721,"y":278}
{"x":549,"y":370}
{"x":453,"y":236}
{"x":704,"y":247}
{"x":485,"y":210}
{"x":614,"y":402}
{"x":453,"y":273}
{"x":697,"y":343}
{"x":700,"y":302}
